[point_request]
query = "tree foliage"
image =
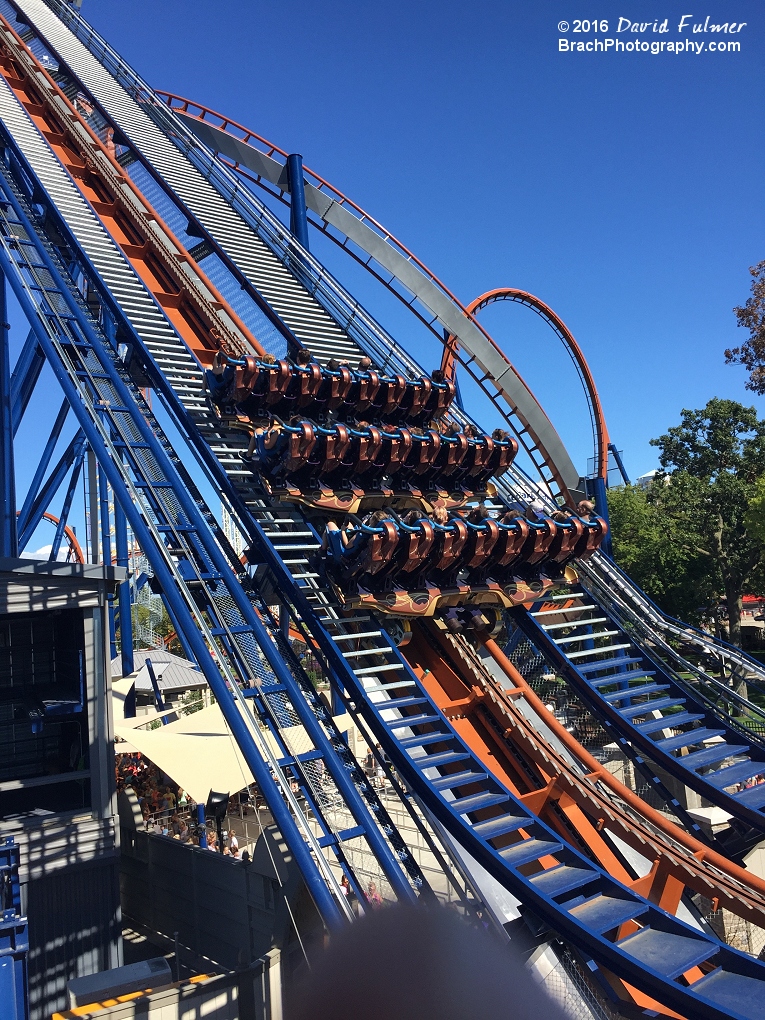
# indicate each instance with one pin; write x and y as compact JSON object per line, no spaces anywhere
{"x":693,"y":540}
{"x":751,"y":354}
{"x":652,"y":546}
{"x":755,"y":515}
{"x":166,"y":631}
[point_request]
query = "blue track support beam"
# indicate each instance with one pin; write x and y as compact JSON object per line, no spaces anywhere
{"x":458,"y":394}
{"x":619,"y":462}
{"x":326,"y":905}
{"x":596,"y":489}
{"x":221,"y":565}
{"x":201,"y":826}
{"x":298,"y":214}
{"x":42,"y":467}
{"x":9,"y":540}
{"x":32,"y":511}
{"x":68,"y":499}
{"x":126,"y":614}
{"x":106,"y":555}
{"x":158,"y":700}
{"x":26,"y":372}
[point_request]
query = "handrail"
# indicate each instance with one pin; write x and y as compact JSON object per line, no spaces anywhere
{"x":685,"y":631}
{"x":652,"y":644}
{"x":700,"y":851}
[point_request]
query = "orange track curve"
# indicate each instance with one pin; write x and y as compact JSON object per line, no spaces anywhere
{"x":567,"y":337}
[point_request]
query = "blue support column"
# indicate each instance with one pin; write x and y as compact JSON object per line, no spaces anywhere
{"x":9,"y":541}
{"x":25,"y":374}
{"x":67,"y":505}
{"x":42,"y":467}
{"x":126,"y":612}
{"x":458,"y":393}
{"x":619,"y":463}
{"x":36,"y":504}
{"x":284,"y":621}
{"x":201,"y":826}
{"x":596,"y":489}
{"x":326,"y":904}
{"x":106,"y":547}
{"x":298,"y":214}
{"x":158,"y":700}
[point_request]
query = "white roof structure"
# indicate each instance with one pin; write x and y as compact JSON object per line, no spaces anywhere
{"x":199,"y":752}
{"x":172,"y":672}
{"x":645,"y":481}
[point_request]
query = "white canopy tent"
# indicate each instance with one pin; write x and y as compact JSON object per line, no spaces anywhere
{"x":199,"y":753}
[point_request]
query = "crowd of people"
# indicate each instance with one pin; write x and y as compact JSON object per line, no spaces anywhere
{"x":167,"y":809}
{"x":169,"y":812}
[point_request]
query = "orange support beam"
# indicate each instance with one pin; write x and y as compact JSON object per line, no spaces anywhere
{"x":188,"y":298}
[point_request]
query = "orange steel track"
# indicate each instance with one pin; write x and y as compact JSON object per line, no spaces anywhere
{"x":600,"y":430}
{"x":225,"y":124}
{"x":584,"y":806}
{"x":74,"y":546}
{"x":189,"y":300}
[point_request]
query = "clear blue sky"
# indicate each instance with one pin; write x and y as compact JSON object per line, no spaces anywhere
{"x":624,"y":189}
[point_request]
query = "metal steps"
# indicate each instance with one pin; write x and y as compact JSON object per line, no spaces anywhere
{"x":294,"y":305}
{"x":646,"y":705}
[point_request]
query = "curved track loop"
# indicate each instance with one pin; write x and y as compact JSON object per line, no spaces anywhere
{"x":597,"y":418}
{"x":401,"y":272}
{"x":75,"y":549}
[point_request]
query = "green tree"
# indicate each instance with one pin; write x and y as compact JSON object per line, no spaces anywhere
{"x":713,"y":462}
{"x":755,"y":515}
{"x":751,"y":316}
{"x":653,"y":547}
{"x":166,"y":631}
